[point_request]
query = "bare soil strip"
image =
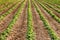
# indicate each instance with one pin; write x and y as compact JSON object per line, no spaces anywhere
{"x":54,"y":12}
{"x":4,"y":4}
{"x":55,"y":25}
{"x":55,"y":6}
{"x":4,"y":11}
{"x":4,"y":23}
{"x":18,"y":31}
{"x":41,"y":32}
{"x":6,"y":8}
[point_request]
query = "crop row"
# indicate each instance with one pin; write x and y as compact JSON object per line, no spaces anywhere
{"x":5,"y":33}
{"x":50,"y":13}
{"x":30,"y":33}
{"x":51,"y":32}
{"x":8,"y":12}
{"x":57,"y":6}
{"x":5,"y":7}
{"x":53,"y":7}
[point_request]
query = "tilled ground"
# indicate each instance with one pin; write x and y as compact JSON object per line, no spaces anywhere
{"x":4,"y":23}
{"x":19,"y":29}
{"x":18,"y":32}
{"x":53,"y":11}
{"x":54,"y":24}
{"x":10,"y":6}
{"x":41,"y":32}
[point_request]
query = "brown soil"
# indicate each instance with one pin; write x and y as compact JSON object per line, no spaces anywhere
{"x":41,"y":32}
{"x":54,"y":6}
{"x":53,"y":11}
{"x":4,"y":23}
{"x":4,"y":4}
{"x":5,"y":8}
{"x":55,"y":25}
{"x":57,"y":5}
{"x":18,"y":31}
{"x":4,"y":11}
{"x":1,"y":6}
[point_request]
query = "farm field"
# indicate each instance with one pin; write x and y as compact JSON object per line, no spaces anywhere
{"x":29,"y":20}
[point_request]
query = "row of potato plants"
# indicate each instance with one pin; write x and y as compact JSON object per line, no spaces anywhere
{"x":53,"y":7}
{"x":5,"y":33}
{"x":30,"y":33}
{"x":8,"y":12}
{"x":56,"y":5}
{"x":5,"y":7}
{"x":51,"y":32}
{"x":50,"y":13}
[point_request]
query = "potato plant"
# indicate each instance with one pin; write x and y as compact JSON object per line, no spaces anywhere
{"x":4,"y":34}
{"x":53,"y":8}
{"x":8,"y":12}
{"x":51,"y":32}
{"x":51,"y":13}
{"x":30,"y":33}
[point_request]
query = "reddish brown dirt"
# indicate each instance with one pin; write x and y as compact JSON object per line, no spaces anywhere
{"x":4,"y":23}
{"x":18,"y":31}
{"x":57,"y":5}
{"x":41,"y":32}
{"x":55,"y":25}
{"x":54,"y":12}
{"x":53,"y":5}
{"x":1,"y":6}
{"x":4,"y":11}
